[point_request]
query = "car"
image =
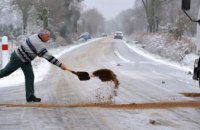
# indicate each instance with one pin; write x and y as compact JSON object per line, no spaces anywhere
{"x":118,"y":35}
{"x":85,"y":36}
{"x":104,"y":34}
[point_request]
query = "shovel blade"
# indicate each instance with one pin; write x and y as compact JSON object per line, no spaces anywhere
{"x":83,"y":75}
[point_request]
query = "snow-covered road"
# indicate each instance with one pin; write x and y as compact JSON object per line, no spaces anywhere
{"x":143,"y":81}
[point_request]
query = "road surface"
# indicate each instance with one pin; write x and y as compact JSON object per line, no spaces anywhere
{"x":149,"y":95}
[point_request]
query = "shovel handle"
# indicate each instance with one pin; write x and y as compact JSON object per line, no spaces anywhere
{"x":70,"y":71}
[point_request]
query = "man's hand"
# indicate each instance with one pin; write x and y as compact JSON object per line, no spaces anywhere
{"x":63,"y":67}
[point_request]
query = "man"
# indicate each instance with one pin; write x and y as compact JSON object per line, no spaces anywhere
{"x":22,"y":57}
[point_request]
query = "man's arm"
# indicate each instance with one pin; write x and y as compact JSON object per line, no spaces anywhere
{"x":44,"y":53}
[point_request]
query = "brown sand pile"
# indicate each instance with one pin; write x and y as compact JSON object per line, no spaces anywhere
{"x":106,"y":75}
{"x":155,"y":105}
{"x":191,"y":94}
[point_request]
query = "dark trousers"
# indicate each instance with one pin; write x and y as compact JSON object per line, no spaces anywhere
{"x":27,"y":69}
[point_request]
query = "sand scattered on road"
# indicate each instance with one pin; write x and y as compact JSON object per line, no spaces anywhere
{"x":106,"y":92}
{"x":191,"y":94}
{"x":155,"y":105}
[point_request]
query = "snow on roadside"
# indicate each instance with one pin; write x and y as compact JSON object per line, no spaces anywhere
{"x":40,"y":66}
{"x":160,"y":59}
{"x":164,"y":49}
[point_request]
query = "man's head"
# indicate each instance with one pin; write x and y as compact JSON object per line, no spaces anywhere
{"x":44,"y":35}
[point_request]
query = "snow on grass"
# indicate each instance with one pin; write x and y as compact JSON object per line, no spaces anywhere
{"x":158,"y":58}
{"x":164,"y":49}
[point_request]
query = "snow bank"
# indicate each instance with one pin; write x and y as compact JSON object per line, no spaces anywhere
{"x":163,"y":48}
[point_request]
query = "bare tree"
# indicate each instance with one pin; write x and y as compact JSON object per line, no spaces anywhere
{"x":152,"y":8}
{"x":180,"y":25}
{"x":24,"y":6}
{"x":62,"y":16}
{"x":72,"y":14}
{"x":92,"y":21}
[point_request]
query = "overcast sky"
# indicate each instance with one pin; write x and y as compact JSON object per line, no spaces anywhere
{"x":109,"y":8}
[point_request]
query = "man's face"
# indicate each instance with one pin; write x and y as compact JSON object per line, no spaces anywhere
{"x":45,"y":37}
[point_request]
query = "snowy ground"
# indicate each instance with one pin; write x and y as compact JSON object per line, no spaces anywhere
{"x":186,"y":66}
{"x":39,"y":63}
{"x":164,"y":45}
{"x":167,"y":119}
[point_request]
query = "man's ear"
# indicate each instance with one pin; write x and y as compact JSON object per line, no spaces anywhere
{"x":40,"y":34}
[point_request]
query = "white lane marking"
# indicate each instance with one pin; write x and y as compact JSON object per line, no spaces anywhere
{"x":129,"y":61}
{"x":121,"y":57}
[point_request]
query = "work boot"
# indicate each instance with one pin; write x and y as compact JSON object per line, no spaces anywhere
{"x":33,"y":99}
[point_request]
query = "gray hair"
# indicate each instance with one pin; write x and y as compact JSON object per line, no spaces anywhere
{"x":44,"y":31}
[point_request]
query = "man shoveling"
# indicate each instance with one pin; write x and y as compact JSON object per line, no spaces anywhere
{"x":22,"y":57}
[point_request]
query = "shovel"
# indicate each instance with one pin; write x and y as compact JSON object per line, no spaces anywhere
{"x":81,"y":75}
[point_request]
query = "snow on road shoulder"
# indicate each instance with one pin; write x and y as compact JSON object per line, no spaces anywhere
{"x":161,"y":60}
{"x":40,"y":66}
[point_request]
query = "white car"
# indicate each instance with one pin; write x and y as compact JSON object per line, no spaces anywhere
{"x":118,"y":35}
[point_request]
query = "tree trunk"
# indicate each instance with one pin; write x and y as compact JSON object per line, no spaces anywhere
{"x":25,"y":18}
{"x":152,"y":19}
{"x":24,"y":6}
